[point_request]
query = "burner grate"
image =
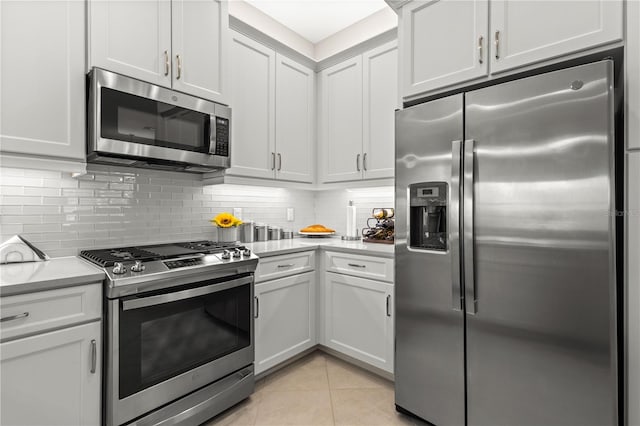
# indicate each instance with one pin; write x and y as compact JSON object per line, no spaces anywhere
{"x":107,"y":257}
{"x":207,"y":246}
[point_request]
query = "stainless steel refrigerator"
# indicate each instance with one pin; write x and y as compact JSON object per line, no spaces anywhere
{"x":505,"y":253}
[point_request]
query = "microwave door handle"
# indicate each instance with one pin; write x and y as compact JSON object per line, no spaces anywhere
{"x":454,"y":226}
{"x":212,"y":134}
{"x":143,"y":302}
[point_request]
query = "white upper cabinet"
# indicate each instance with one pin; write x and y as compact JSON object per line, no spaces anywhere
{"x":180,"y":44}
{"x":42,"y":78}
{"x":199,"y":45}
{"x":253,"y":68}
{"x":524,"y":32}
{"x":273,"y":125}
{"x":452,"y":42}
{"x":132,"y":38}
{"x":341,"y":121}
{"x":295,"y":118}
{"x":380,"y":100}
{"x":358,"y":100}
{"x":444,"y":42}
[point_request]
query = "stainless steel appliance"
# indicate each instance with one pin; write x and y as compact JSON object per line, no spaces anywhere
{"x":506,"y":252}
{"x":179,"y":331}
{"x":133,"y":123}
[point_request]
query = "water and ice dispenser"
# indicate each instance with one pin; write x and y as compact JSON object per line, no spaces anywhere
{"x":428,"y":216}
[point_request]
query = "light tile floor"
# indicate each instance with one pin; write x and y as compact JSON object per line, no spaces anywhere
{"x":318,"y":390}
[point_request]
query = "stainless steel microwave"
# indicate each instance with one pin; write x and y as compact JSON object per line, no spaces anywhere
{"x":133,"y":123}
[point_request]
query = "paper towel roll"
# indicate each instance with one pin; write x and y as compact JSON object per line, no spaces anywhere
{"x":352,"y":230}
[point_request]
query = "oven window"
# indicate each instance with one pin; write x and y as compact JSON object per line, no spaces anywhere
{"x":162,"y":341}
{"x":132,"y":118}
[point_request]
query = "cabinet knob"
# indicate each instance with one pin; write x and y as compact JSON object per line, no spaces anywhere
{"x":497,"y":43}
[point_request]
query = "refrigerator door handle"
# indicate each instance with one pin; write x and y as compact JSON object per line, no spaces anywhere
{"x":454,"y":225}
{"x":471,"y":298}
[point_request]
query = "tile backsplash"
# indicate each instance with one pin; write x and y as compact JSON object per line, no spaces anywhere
{"x":115,"y":206}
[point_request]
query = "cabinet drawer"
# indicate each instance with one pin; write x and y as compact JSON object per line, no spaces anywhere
{"x":45,"y":310}
{"x":288,"y":264}
{"x":377,"y":268}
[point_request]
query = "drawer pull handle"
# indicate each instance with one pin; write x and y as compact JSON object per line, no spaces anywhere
{"x":288,"y":265}
{"x":257,"y":314}
{"x":355,"y":265}
{"x":14,"y":317}
{"x":388,"y":300}
{"x":94,"y":356}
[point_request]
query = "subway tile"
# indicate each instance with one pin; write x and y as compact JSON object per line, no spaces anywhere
{"x":51,"y":192}
{"x":12,"y":190}
{"x":10,"y":209}
{"x":49,"y":174}
{"x":47,"y":227}
{"x":74,"y":192}
{"x":20,"y":200}
{"x":60,"y":183}
{"x":60,"y":200}
{"x":93,"y":185}
{"x":24,"y":219}
{"x":121,"y":186}
{"x":21,"y":181}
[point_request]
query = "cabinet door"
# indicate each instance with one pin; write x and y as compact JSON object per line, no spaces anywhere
{"x":632,"y":82}
{"x":524,"y":32}
{"x":295,"y":112}
{"x":380,"y":91}
{"x":199,"y":33}
{"x":253,"y":79}
{"x":42,"y":78}
{"x":358,"y":319}
{"x":47,"y":378}
{"x":284,"y":319}
{"x":341,"y":121}
{"x":132,"y":38}
{"x":444,"y":42}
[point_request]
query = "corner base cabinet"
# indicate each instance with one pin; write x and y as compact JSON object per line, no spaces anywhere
{"x":358,"y":319}
{"x":52,"y":378}
{"x":284,"y":315}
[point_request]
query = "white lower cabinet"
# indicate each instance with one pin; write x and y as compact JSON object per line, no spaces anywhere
{"x":52,"y":378}
{"x":359,"y":319}
{"x":284,"y":315}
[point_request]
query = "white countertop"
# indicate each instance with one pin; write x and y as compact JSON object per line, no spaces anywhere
{"x":17,"y":278}
{"x":276,"y":247}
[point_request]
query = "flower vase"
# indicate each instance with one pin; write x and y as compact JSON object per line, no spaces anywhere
{"x":228,"y":235}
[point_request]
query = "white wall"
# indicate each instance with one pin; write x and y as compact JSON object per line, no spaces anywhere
{"x":369,"y":27}
{"x":266,"y":24}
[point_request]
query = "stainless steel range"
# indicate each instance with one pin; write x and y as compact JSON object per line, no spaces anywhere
{"x":179,"y":331}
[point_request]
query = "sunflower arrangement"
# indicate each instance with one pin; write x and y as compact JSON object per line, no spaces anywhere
{"x":226,"y":220}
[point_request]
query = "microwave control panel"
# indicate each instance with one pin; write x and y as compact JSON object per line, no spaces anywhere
{"x":222,"y":137}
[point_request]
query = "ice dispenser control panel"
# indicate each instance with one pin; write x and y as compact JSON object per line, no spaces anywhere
{"x":428,"y":216}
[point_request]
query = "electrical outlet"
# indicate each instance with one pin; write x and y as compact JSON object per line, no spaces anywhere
{"x":237,"y":212}
{"x":290,"y":214}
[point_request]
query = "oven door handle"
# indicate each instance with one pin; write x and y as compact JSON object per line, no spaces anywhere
{"x":143,"y":302}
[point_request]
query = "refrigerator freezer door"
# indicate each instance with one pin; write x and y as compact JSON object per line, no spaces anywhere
{"x":541,"y":348}
{"x":429,"y":357}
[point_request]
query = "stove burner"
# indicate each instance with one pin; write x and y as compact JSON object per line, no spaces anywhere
{"x":107,"y":257}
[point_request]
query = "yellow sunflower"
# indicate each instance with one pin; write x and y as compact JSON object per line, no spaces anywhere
{"x":226,"y":220}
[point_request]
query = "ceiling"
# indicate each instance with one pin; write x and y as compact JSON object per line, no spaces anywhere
{"x":316,"y":20}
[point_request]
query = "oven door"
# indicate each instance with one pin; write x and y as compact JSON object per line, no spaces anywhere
{"x":163,"y":345}
{"x":133,"y":119}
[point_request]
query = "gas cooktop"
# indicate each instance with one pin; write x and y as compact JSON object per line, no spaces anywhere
{"x":140,"y":267}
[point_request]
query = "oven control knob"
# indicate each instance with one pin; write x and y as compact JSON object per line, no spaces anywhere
{"x":138,"y":267}
{"x":226,"y":255}
{"x":119,"y":268}
{"x":246,"y":252}
{"x":236,"y":254}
